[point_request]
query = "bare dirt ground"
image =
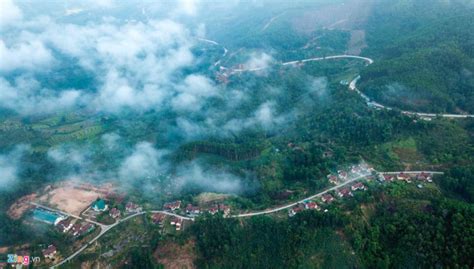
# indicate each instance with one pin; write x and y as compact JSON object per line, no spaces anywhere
{"x":209,"y":197}
{"x":3,"y":250}
{"x":22,"y":205}
{"x":341,"y":16}
{"x":73,"y":197}
{"x":357,"y":42}
{"x":174,"y":256}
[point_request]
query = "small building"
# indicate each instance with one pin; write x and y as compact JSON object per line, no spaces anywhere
{"x":358,"y":186}
{"x":388,"y":178}
{"x":342,"y":174}
{"x":172,"y":205}
{"x":114,"y":213}
{"x":312,"y":205}
{"x":49,"y":252}
{"x":132,"y":208}
{"x":424,"y":177}
{"x":64,"y":225}
{"x":344,"y":192}
{"x":193,"y":210}
{"x":327,"y":198}
{"x":213,"y":210}
{"x":404,"y":177}
{"x":225,"y":209}
{"x":175,"y":221}
{"x":80,"y":229}
{"x":158,"y":218}
{"x":296,"y":209}
{"x":99,"y":205}
{"x":332,"y":179}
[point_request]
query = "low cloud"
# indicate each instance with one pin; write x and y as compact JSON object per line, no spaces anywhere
{"x":144,"y":162}
{"x":10,"y":166}
{"x":265,"y":117}
{"x":259,"y":61}
{"x":29,"y":55}
{"x":193,"y":176}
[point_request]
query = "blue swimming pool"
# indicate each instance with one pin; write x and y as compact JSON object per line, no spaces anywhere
{"x":45,"y":216}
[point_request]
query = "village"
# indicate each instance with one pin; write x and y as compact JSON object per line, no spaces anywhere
{"x":109,"y":208}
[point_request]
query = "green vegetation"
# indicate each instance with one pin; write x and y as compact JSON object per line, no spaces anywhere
{"x":423,"y":56}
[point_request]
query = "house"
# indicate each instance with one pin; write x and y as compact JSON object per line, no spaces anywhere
{"x":405,"y":177}
{"x":332,"y":179}
{"x":345,"y":192}
{"x":358,"y":186}
{"x":213,"y":210}
{"x":132,"y":208}
{"x":158,"y":218}
{"x":78,"y":229}
{"x":312,"y":205}
{"x":388,"y":178}
{"x":99,"y":205}
{"x":192,"y":210}
{"x":64,"y":225}
{"x":114,"y":213}
{"x":327,"y":198}
{"x":175,"y":221}
{"x":49,"y":252}
{"x":172,"y":205}
{"x":342,"y":174}
{"x":424,"y":177}
{"x":296,"y":209}
{"x":225,"y":209}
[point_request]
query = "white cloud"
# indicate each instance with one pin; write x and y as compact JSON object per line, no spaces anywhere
{"x":192,"y":93}
{"x":26,"y":96}
{"x":259,"y":61}
{"x":10,"y":166}
{"x":194,"y":175}
{"x":265,"y":116}
{"x":144,"y":162}
{"x":10,"y":14}
{"x":30,"y":55}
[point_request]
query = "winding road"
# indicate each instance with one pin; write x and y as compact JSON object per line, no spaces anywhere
{"x":352,"y":84}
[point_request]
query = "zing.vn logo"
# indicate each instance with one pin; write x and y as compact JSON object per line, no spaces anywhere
{"x":25,"y":260}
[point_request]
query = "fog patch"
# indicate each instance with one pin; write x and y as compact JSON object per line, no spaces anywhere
{"x":144,"y":162}
{"x":194,"y":176}
{"x":10,"y":166}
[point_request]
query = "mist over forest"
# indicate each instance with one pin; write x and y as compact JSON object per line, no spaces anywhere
{"x":249,"y":103}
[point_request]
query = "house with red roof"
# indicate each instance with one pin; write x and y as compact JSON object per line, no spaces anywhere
{"x":172,"y":205}
{"x":193,"y":210}
{"x":358,"y":186}
{"x":64,"y":225}
{"x":158,"y":218}
{"x":133,"y":208}
{"x":296,"y":209}
{"x":344,"y":192}
{"x":327,"y":198}
{"x":50,"y":252}
{"x":114,"y":213}
{"x":312,"y":205}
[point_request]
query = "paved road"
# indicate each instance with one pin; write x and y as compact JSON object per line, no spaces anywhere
{"x":269,"y":211}
{"x":353,"y":85}
{"x":412,"y":172}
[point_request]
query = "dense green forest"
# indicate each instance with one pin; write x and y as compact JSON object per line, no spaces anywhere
{"x":391,"y":228}
{"x":423,"y":53}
